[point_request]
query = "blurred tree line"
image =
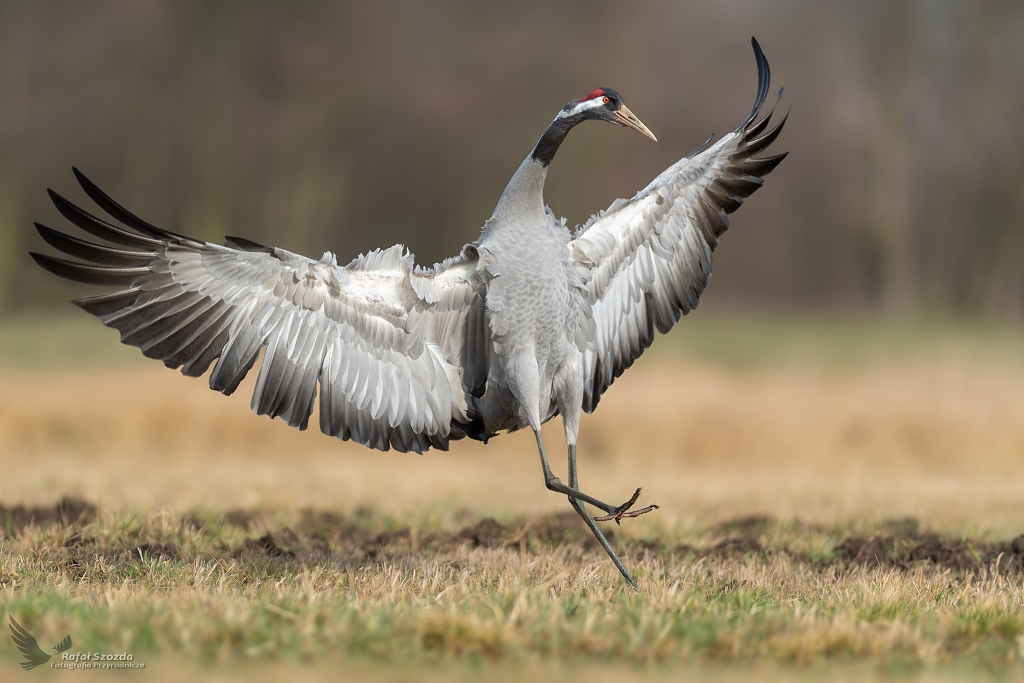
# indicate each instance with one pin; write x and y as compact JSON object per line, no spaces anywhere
{"x":348,"y":126}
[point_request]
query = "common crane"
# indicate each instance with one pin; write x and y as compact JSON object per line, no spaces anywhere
{"x":528,"y":322}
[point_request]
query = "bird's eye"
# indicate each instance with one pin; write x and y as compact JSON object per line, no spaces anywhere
{"x":607,"y":100}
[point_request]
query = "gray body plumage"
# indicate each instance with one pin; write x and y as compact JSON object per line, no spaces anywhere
{"x":535,"y":306}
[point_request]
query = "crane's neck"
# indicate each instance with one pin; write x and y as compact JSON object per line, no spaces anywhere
{"x":524,"y":193}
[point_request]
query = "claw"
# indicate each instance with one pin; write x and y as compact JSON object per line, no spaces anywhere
{"x":621,"y":513}
{"x":628,"y":504}
{"x":628,"y":515}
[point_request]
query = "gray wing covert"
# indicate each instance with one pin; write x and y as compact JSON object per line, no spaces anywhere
{"x":647,"y":260}
{"x":386,"y":342}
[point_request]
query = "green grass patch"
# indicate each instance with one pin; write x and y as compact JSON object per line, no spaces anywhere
{"x":240,"y":585}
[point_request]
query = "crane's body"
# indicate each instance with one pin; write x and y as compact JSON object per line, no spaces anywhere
{"x":528,"y":322}
{"x":534,"y":303}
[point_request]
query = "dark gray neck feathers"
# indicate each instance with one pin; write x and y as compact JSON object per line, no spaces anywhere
{"x":548,"y":144}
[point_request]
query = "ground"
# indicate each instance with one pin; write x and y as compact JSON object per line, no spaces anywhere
{"x":840,"y":499}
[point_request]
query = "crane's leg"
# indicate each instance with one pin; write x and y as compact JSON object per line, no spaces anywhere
{"x":577,"y":498}
{"x":555,"y":484}
{"x":568,"y":383}
{"x":574,"y":482}
{"x":526,"y":389}
{"x":620,"y":512}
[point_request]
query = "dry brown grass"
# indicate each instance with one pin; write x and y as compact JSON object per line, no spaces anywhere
{"x":940,"y":437}
{"x":828,"y":449}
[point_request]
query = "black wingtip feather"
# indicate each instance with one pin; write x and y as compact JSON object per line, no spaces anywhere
{"x":762,"y":167}
{"x":101,"y":255}
{"x":99,"y":228}
{"x":758,"y":144}
{"x":122,"y":214}
{"x":764,"y":79}
{"x":752,"y":130}
{"x":92,"y":275}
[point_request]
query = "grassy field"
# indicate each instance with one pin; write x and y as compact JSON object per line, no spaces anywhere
{"x":841,"y":499}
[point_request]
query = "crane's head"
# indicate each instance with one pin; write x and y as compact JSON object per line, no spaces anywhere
{"x":603,"y":104}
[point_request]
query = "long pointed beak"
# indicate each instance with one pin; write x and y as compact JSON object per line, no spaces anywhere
{"x":624,"y":117}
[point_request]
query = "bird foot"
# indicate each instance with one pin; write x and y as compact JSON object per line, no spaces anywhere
{"x":624,"y":512}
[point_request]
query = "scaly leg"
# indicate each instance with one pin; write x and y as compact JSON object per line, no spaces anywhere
{"x":598,"y":534}
{"x":553,"y":483}
{"x":619,"y":513}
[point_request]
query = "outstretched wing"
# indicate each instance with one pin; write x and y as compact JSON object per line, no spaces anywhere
{"x":647,"y":260}
{"x":397,"y":351}
{"x":64,"y":645}
{"x":28,"y":646}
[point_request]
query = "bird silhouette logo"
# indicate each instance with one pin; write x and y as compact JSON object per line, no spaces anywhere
{"x":28,"y":646}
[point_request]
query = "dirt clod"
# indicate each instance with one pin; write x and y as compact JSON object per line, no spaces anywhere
{"x":69,"y":511}
{"x":192,"y":522}
{"x":74,"y":511}
{"x":487,"y":533}
{"x":153,"y":551}
{"x":751,"y":526}
{"x":1017,"y":545}
{"x":566,"y":527}
{"x":241,"y":518}
{"x":264,"y":546}
{"x":929,"y":550}
{"x":731,"y":547}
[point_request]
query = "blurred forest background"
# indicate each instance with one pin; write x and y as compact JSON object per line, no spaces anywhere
{"x":348,"y":126}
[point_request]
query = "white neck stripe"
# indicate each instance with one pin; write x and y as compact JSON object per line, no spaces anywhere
{"x":581,"y":107}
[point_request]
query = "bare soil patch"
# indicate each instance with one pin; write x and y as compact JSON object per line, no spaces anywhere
{"x":327,"y":537}
{"x":66,"y":512}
